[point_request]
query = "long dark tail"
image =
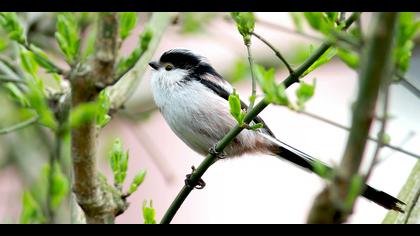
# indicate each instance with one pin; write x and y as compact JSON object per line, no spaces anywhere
{"x":307,"y":162}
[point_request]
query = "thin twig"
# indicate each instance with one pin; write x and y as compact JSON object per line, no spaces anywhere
{"x":254,"y":82}
{"x":288,"y":30}
{"x":408,"y":85}
{"x":382,"y":132}
{"x":7,"y":79}
{"x":333,"y":123}
{"x":212,"y":158}
{"x":19,"y":126}
{"x":404,"y":141}
{"x":277,"y":52}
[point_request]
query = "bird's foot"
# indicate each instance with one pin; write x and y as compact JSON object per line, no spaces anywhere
{"x":200,"y":183}
{"x":219,"y":155}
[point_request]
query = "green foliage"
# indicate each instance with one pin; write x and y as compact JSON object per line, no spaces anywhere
{"x":386,"y":138}
{"x":325,"y":58}
{"x":128,"y":21}
{"x":34,"y":199}
{"x":128,"y":62}
{"x":11,"y":24}
{"x":297,"y":20}
{"x":119,"y":163}
{"x":137,"y":181}
{"x":274,"y":93}
{"x":28,"y":62}
{"x":38,"y":101}
{"x":350,"y":58}
{"x":83,"y":113}
{"x":193,"y":22}
{"x":31,"y":211}
{"x":304,"y":93}
{"x":355,"y":189}
{"x":406,"y":30}
{"x":17,"y":94}
{"x":324,"y":22}
{"x":87,"y":112}
{"x":245,"y":22}
{"x":235,"y":107}
{"x":42,"y":59}
{"x":149,"y":213}
{"x":103,"y":105}
{"x":67,"y":36}
{"x":240,"y":71}
{"x":3,"y":44}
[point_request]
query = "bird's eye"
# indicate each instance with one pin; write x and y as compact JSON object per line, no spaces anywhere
{"x":168,"y":67}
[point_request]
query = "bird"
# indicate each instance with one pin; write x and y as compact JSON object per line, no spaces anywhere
{"x":193,"y":99}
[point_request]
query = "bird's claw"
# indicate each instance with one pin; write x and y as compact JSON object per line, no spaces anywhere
{"x":219,"y":155}
{"x":200,"y":183}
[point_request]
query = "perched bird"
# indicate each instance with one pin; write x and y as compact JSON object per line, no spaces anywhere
{"x":193,"y":99}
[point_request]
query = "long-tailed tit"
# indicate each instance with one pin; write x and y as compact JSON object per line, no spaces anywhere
{"x":193,"y":99}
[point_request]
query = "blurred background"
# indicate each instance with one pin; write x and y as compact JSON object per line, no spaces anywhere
{"x":250,"y":189}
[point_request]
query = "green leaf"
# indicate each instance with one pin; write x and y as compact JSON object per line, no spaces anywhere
{"x":31,"y":210}
{"x":67,"y":36}
{"x":11,"y":24}
{"x":126,"y":63}
{"x":42,"y":59}
{"x":322,"y":22}
{"x":90,"y":43}
{"x":281,"y":96}
{"x":235,"y":106}
{"x":297,"y":20}
{"x":3,"y":44}
{"x":332,"y":16}
{"x":386,"y":138}
{"x":304,"y":93}
{"x":406,"y":30}
{"x":17,"y":94}
{"x":274,"y":93}
{"x":128,"y":21}
{"x":83,"y":113}
{"x":38,"y":101}
{"x":137,"y":181}
{"x":60,"y":186}
{"x":256,"y":126}
{"x":245,"y":22}
{"x":350,"y":58}
{"x":355,"y":189}
{"x":326,"y":57}
{"x":145,"y":38}
{"x":149,"y":213}
{"x":119,"y":162}
{"x":104,"y":104}
{"x":28,"y":62}
{"x":240,"y":71}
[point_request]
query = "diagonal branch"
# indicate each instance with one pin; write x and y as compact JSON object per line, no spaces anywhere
{"x":212,"y":158}
{"x":277,"y":52}
{"x":19,"y":126}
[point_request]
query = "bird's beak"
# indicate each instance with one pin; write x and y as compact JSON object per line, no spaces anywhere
{"x":154,"y":65}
